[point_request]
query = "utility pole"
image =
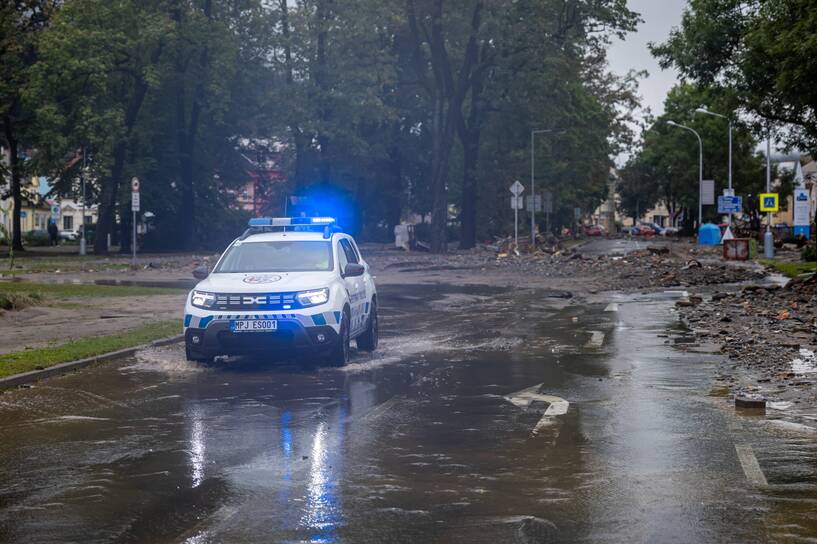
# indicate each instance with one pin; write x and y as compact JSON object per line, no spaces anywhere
{"x":134,"y":205}
{"x":82,"y":242}
{"x":700,"y":171}
{"x":533,"y":133}
{"x":768,"y":238}
{"x":705,"y":111}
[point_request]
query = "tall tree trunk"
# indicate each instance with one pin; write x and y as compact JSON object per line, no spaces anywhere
{"x":186,"y":134}
{"x":448,"y":95}
{"x":301,"y":144}
{"x":468,"y":217}
{"x":16,"y":187}
{"x":321,"y":83}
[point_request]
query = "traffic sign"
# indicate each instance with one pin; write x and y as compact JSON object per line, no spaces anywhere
{"x":769,"y":202}
{"x":707,"y":192}
{"x":55,"y":212}
{"x":517,"y":203}
{"x":517,"y":189}
{"x":533,"y":201}
{"x":134,"y":185}
{"x":134,"y":201}
{"x":730,"y":204}
{"x":548,"y":202}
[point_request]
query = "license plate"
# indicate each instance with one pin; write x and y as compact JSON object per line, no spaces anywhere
{"x":253,"y":325}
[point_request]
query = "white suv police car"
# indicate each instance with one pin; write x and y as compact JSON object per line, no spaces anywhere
{"x":287,"y":284}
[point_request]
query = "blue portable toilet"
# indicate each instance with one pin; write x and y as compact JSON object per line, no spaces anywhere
{"x":709,"y":235}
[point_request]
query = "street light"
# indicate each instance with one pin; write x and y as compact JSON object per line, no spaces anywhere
{"x":700,"y":168}
{"x":705,"y":111}
{"x":533,"y":133}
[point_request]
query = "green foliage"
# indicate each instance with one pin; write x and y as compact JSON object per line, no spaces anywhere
{"x":38,"y":358}
{"x":36,"y":238}
{"x":765,"y":52}
{"x":666,"y":167}
{"x":809,"y":254}
{"x":194,"y":97}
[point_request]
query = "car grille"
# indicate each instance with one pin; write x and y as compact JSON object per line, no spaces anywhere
{"x":256,"y":301}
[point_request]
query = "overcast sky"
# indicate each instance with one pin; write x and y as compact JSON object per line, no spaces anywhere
{"x":659,"y":17}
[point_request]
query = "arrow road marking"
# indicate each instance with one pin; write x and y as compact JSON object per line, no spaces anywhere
{"x":557,"y":406}
{"x":750,"y":465}
{"x":596,"y":339}
{"x":612,"y":307}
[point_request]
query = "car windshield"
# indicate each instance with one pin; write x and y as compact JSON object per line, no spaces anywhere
{"x":278,"y":256}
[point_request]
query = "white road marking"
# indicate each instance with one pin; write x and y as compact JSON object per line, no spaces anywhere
{"x":596,"y":339}
{"x":750,"y":465}
{"x":612,"y":307}
{"x":557,"y":406}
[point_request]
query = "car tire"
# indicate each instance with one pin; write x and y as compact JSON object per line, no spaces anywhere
{"x":340,"y":351}
{"x":194,"y":356}
{"x":368,"y":340}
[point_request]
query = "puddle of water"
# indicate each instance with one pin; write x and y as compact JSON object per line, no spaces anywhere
{"x":166,"y":360}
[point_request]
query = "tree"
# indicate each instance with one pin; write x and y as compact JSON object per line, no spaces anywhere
{"x":764,"y":51}
{"x":668,"y":159}
{"x":21,"y":23}
{"x":89,"y":86}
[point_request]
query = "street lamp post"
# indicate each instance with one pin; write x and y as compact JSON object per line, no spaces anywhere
{"x":768,"y":238}
{"x":700,"y":169}
{"x":705,"y":111}
{"x":533,"y":133}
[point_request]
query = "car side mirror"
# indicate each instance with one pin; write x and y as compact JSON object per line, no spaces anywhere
{"x":201,"y":272}
{"x":353,"y":269}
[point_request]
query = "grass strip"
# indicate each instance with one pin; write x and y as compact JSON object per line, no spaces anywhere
{"x":68,"y":290}
{"x":790,"y":269}
{"x":81,"y":348}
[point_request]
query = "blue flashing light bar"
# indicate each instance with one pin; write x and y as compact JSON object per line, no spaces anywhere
{"x":290,"y":221}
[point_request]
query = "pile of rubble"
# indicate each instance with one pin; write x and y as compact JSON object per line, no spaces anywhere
{"x":767,"y":332}
{"x":649,"y":268}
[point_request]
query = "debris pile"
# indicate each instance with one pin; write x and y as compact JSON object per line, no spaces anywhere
{"x":763,"y":330}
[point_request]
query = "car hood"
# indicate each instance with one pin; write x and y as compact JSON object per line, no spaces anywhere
{"x":266,"y":282}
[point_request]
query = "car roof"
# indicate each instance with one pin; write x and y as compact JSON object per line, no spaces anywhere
{"x":289,"y":235}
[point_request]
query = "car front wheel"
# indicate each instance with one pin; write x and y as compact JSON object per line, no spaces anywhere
{"x":340,"y":352}
{"x":368,"y":340}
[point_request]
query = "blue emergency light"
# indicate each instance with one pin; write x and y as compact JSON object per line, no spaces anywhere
{"x":290,"y":221}
{"x":259,"y":225}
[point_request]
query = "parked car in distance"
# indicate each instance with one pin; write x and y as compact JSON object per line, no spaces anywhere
{"x":595,"y":230}
{"x":642,"y":230}
{"x":69,"y":235}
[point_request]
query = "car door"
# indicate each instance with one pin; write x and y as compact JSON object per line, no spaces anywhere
{"x":354,"y":286}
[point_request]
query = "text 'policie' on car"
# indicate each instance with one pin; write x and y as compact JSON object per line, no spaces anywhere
{"x":286,"y":285}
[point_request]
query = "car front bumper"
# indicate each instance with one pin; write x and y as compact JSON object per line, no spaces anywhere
{"x":210,"y":335}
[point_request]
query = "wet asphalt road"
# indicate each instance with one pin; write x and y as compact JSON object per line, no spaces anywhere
{"x":418,"y":443}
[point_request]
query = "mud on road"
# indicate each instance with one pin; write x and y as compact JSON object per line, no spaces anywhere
{"x":491,"y":413}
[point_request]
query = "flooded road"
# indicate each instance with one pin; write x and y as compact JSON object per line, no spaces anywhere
{"x":487,"y":415}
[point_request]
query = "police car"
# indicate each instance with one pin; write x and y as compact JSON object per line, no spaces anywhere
{"x":287,"y":284}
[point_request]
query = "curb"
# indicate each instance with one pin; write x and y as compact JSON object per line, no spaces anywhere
{"x":63,"y":368}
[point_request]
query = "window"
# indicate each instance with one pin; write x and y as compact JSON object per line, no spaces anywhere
{"x":283,"y":256}
{"x":68,"y":222}
{"x":351,"y":254}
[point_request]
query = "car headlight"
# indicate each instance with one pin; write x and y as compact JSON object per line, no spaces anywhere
{"x":202,"y":299}
{"x":313,"y":298}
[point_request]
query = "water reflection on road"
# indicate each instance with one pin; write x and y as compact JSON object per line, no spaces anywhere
{"x":417,"y":443}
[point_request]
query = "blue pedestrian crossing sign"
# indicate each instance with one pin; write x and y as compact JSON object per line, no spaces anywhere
{"x":730,"y":204}
{"x":769,"y":202}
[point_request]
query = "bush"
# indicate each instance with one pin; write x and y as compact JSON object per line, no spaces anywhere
{"x":809,"y":253}
{"x":36,"y":238}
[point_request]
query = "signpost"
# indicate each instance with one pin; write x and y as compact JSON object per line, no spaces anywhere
{"x":802,"y":213}
{"x":769,"y":202}
{"x":707,"y":192}
{"x":516,"y":203}
{"x":730,"y":204}
{"x":547,"y":205}
{"x":134,"y":206}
